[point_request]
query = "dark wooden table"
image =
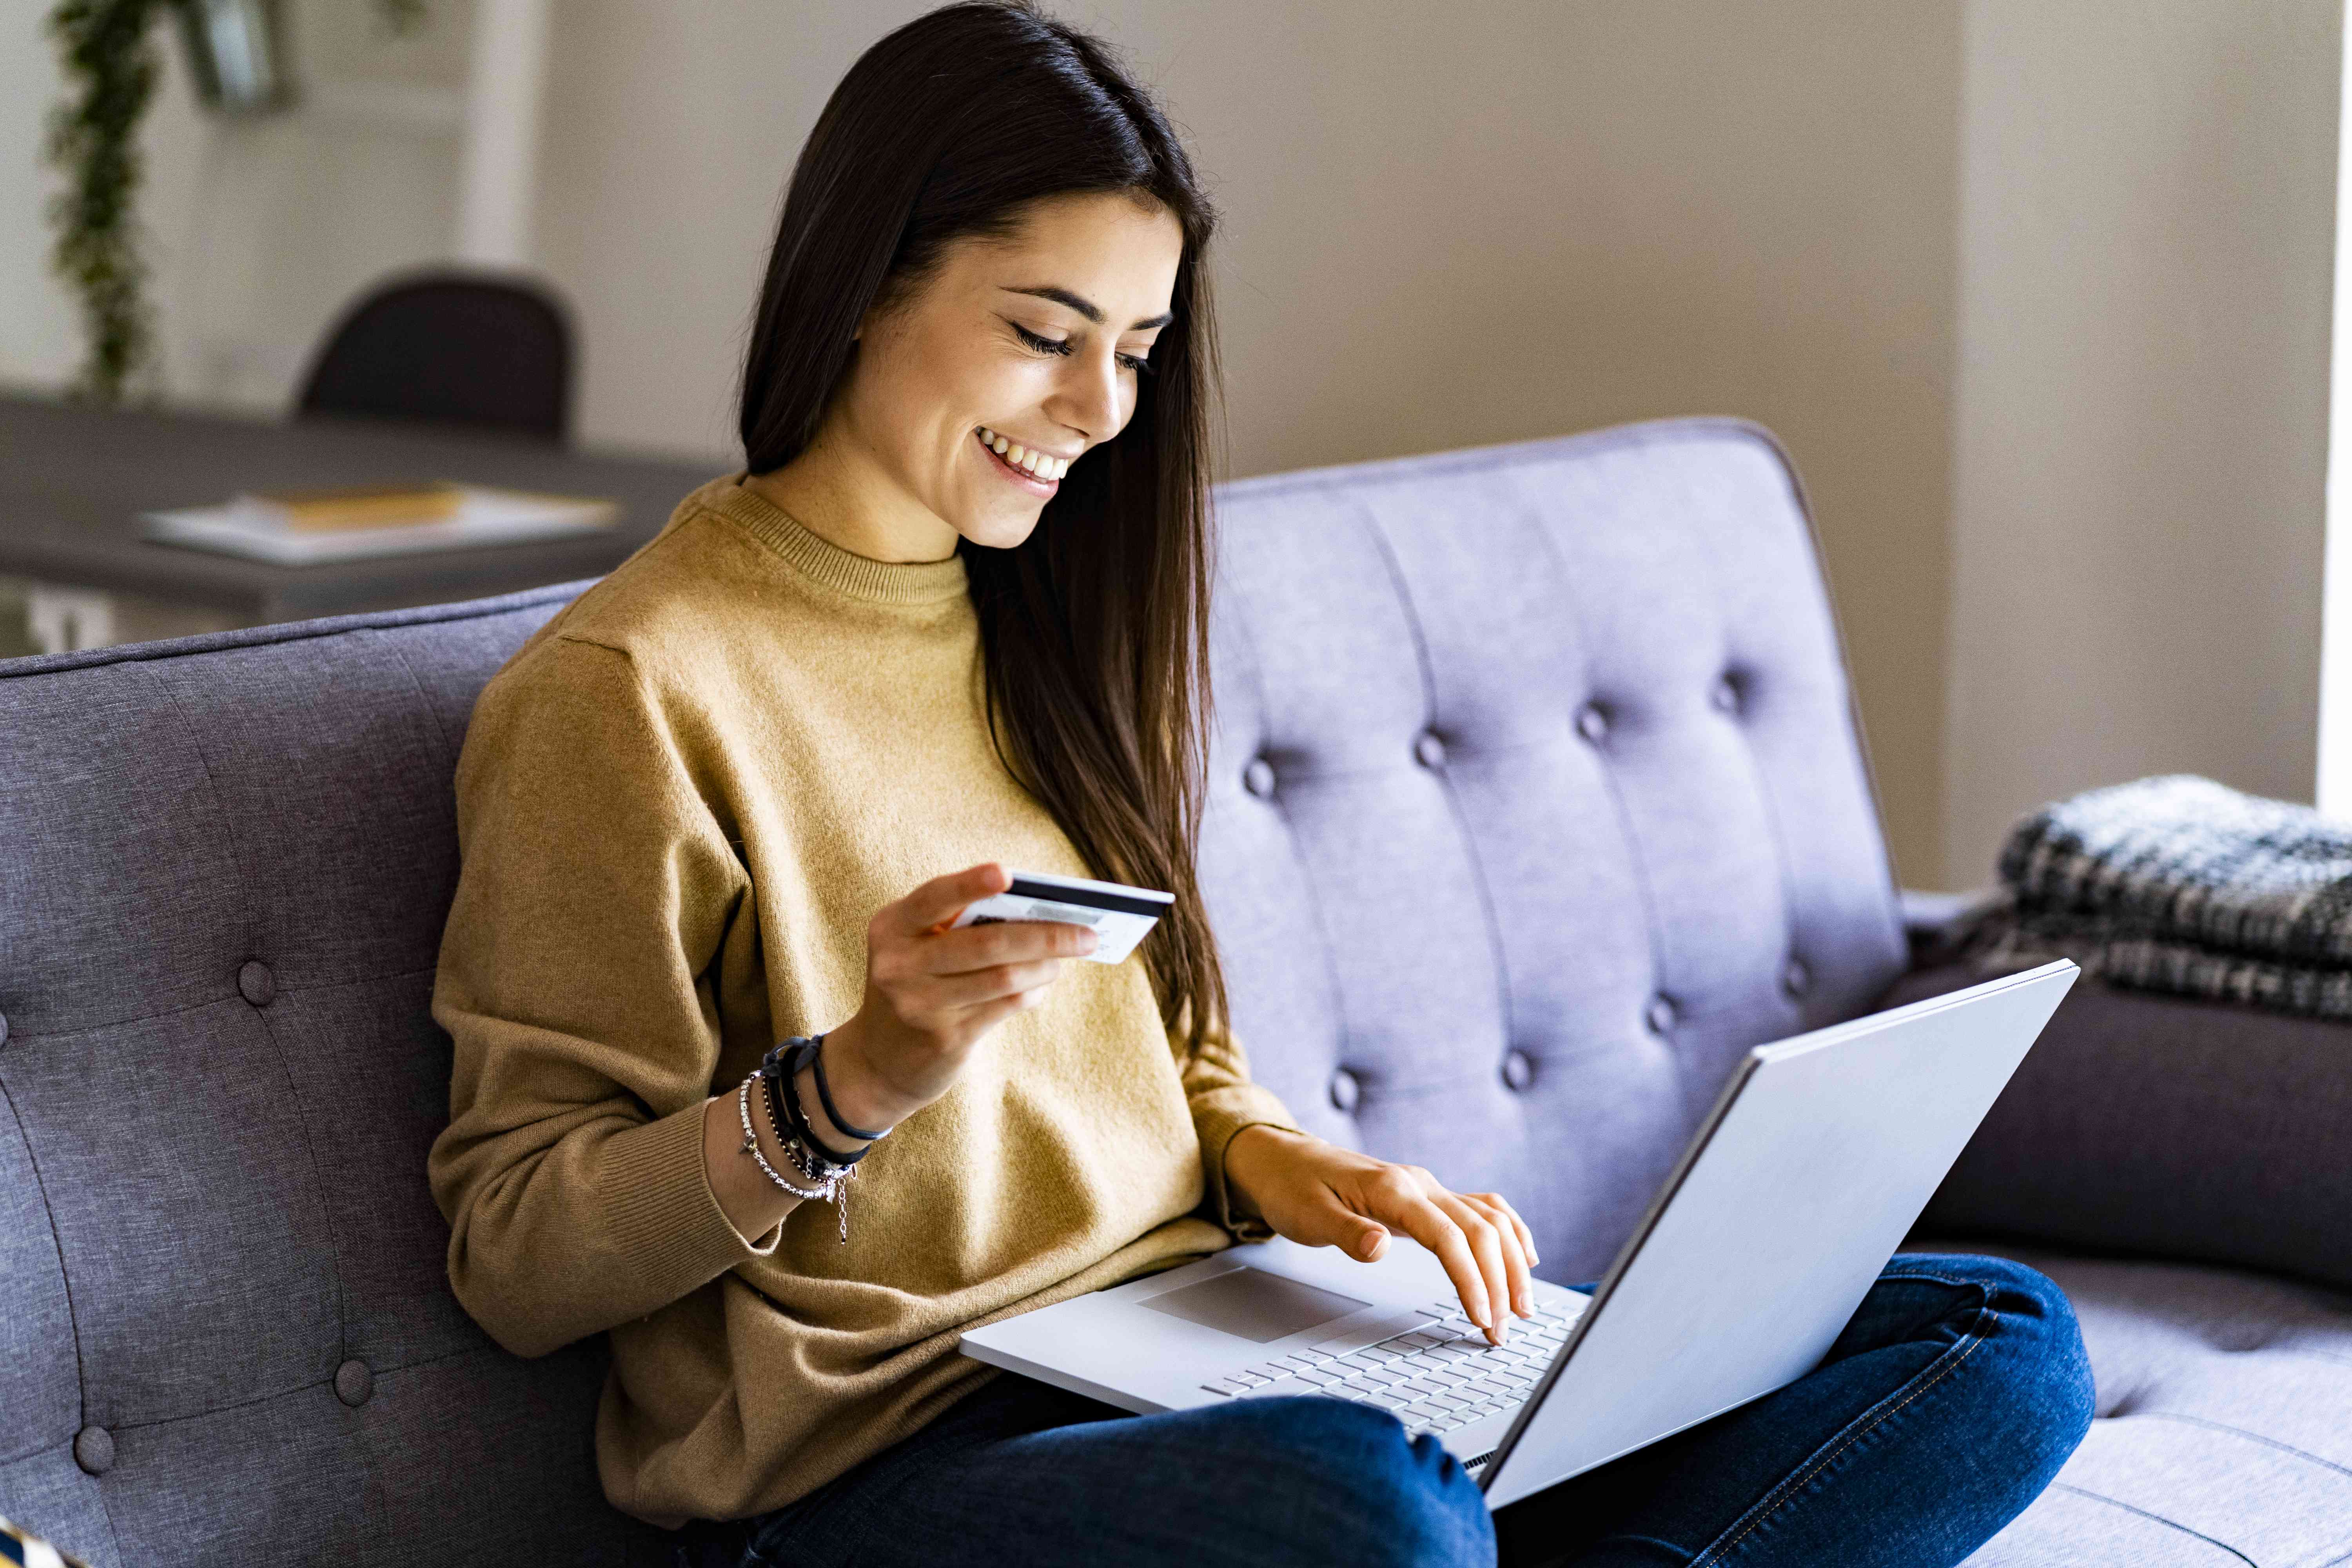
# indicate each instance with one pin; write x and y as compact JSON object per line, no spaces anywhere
{"x":74,"y":479}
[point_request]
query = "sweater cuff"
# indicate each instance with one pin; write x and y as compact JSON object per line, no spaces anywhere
{"x":1217,"y":1115}
{"x":660,"y":1212}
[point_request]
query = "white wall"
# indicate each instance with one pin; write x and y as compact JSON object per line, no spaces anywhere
{"x":2140,"y":450}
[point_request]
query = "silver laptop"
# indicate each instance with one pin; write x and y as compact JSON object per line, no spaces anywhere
{"x":1803,"y":1181}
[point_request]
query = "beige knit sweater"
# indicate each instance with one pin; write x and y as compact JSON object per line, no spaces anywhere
{"x":678,"y":805}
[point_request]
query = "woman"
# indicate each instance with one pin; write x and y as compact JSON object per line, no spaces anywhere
{"x":948,"y":620}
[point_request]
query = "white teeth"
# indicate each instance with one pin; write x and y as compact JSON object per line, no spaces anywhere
{"x":1021,"y":458}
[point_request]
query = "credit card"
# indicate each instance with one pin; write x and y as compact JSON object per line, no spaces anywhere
{"x":1120,"y":916}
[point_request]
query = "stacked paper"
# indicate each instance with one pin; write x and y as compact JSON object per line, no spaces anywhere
{"x":262,"y":530}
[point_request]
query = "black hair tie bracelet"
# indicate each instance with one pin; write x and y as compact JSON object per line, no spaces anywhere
{"x":778,"y":1069}
{"x":824,"y":1097}
{"x":781,"y":1067}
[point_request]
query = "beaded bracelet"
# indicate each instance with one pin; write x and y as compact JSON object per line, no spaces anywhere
{"x":780,"y":1096}
{"x":828,"y":1175}
{"x":792,"y":1133}
{"x":752,"y":1147}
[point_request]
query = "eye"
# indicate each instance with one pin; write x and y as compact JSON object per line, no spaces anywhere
{"x":1041,"y":344}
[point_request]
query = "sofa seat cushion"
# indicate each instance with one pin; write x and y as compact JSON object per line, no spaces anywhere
{"x":2225,"y":1429}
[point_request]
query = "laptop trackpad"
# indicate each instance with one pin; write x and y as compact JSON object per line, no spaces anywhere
{"x":1253,"y":1304}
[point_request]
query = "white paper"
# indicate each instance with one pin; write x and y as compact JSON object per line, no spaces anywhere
{"x":485,"y":516}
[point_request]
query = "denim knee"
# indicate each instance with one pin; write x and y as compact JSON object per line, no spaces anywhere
{"x":1393,"y":1501}
{"x":2064,"y":1386}
{"x":2042,"y":1368}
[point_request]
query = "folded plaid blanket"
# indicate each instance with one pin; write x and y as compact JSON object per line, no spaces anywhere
{"x":17,"y":1546}
{"x":2182,"y":884}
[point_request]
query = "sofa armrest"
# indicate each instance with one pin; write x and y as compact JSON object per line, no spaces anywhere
{"x":1938,"y":925}
{"x":2152,"y":1123}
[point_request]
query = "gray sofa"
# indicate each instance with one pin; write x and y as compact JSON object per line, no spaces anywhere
{"x":1536,"y":798}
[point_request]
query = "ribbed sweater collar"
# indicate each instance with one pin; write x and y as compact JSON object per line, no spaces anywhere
{"x":821,"y":560}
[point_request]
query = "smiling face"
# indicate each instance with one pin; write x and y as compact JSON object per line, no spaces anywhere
{"x":1030,"y":343}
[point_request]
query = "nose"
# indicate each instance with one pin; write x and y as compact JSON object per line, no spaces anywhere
{"x":1093,"y":398}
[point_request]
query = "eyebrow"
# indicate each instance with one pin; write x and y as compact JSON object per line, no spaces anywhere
{"x":1087,"y":308}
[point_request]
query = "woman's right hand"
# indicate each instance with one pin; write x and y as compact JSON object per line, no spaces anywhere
{"x":933,"y":993}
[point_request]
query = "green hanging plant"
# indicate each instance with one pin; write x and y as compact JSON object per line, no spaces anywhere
{"x":110,"y":65}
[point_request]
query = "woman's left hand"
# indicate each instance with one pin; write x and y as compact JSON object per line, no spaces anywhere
{"x":1320,"y":1194}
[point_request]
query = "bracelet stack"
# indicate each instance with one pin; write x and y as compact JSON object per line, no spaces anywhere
{"x":824,"y":1170}
{"x":751,"y":1146}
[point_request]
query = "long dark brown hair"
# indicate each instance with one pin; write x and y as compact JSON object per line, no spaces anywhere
{"x":1093,"y":630}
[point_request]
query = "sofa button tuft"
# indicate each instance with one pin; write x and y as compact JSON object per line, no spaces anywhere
{"x":94,"y":1450}
{"x":256,"y":983}
{"x":354,"y":1383}
{"x":1259,"y":778}
{"x":1592,"y":722}
{"x":1345,"y":1091}
{"x":1660,"y":1014}
{"x":1519,"y":1071}
{"x":1795,"y":977}
{"x":1428,"y":750}
{"x":1725,"y":694}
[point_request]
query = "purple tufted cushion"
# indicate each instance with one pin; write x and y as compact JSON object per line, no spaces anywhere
{"x":226,"y":1332}
{"x":1536,"y":800}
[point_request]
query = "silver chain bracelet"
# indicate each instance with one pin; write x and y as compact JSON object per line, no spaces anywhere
{"x":828,"y":1186}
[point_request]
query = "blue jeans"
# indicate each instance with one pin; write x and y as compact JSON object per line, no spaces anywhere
{"x":1945,"y":1407}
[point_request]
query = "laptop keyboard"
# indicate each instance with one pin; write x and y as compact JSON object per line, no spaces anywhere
{"x":1434,"y":1378}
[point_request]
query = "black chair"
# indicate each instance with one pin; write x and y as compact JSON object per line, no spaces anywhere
{"x":453,"y":348}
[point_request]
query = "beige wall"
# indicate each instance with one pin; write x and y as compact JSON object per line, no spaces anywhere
{"x":1444,"y":226}
{"x":2037,"y":299}
{"x":1496,"y":222}
{"x":2140,"y":451}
